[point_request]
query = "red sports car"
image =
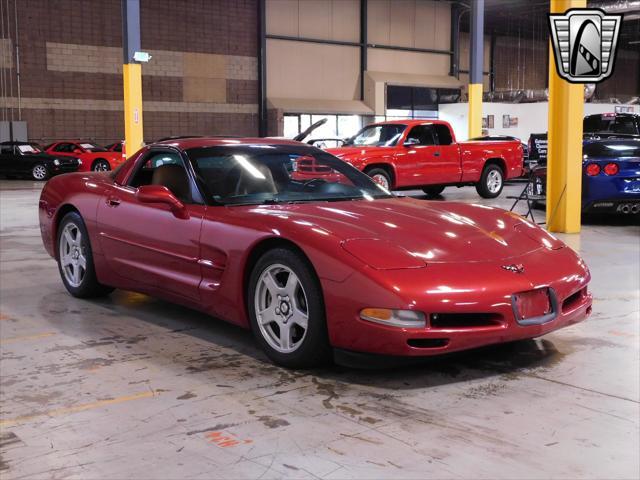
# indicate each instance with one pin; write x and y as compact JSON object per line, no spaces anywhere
{"x":93,"y":157}
{"x":308,"y":252}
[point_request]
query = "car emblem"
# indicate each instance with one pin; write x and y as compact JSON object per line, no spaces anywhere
{"x":515,"y":268}
{"x":584,"y":44}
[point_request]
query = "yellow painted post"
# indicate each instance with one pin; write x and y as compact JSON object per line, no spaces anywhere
{"x":476,"y":64}
{"x":564,"y":151}
{"x":133,"y":132}
{"x":475,"y":110}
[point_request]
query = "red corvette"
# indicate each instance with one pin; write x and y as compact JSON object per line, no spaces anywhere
{"x":308,"y":252}
{"x":93,"y":157}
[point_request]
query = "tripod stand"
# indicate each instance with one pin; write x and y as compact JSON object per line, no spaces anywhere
{"x":528,"y":195}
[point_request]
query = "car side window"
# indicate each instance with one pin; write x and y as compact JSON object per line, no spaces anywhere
{"x":6,"y":150}
{"x":444,"y":134}
{"x":164,"y":168}
{"x":64,"y":148}
{"x":423,"y":134}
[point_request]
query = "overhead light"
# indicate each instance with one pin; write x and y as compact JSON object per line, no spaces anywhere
{"x":142,"y":57}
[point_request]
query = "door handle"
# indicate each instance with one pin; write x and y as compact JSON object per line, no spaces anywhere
{"x":436,"y":154}
{"x":113,"y":201}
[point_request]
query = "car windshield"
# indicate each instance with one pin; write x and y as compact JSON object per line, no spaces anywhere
{"x":385,"y":135}
{"x":92,"y":148}
{"x":267,"y":174}
{"x":29,"y":149}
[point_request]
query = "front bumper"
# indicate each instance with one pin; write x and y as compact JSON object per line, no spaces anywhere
{"x":471,"y":290}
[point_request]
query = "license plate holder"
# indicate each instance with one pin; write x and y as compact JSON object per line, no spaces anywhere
{"x":534,"y":307}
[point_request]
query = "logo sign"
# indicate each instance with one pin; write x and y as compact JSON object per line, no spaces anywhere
{"x":514,"y":268}
{"x":584,"y":44}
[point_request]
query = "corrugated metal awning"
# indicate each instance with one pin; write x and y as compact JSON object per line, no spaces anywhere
{"x":320,"y":106}
{"x":413,"y":80}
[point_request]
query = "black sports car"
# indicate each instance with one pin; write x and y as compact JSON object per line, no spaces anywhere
{"x":23,"y":159}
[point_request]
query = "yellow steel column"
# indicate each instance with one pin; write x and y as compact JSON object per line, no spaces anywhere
{"x":475,"y":110}
{"x":564,"y":152}
{"x":133,"y":132}
{"x":476,"y":64}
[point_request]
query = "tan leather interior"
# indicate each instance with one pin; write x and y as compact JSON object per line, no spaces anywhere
{"x":174,"y":177}
{"x":248,"y":183}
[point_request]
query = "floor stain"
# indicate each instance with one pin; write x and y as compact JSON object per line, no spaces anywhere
{"x":273,"y":422}
{"x":187,"y":396}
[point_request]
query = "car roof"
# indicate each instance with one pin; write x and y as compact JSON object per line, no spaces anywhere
{"x":411,"y":122}
{"x":199,"y":142}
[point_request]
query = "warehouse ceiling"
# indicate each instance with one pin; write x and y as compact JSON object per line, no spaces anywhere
{"x":527,"y":19}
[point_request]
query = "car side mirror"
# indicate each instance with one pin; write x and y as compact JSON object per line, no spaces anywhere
{"x":410,"y":142}
{"x":77,"y":150}
{"x":161,"y":194}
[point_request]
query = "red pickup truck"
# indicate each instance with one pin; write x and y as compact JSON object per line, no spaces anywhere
{"x":406,"y":154}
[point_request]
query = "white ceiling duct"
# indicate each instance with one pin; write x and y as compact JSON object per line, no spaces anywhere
{"x":630,"y":8}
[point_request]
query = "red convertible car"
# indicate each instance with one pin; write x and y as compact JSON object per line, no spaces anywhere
{"x":308,"y":252}
{"x":407,"y":154}
{"x":93,"y":157}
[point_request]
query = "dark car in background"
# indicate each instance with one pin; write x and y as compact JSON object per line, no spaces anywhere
{"x":610,"y":177}
{"x":596,"y":126}
{"x":23,"y":159}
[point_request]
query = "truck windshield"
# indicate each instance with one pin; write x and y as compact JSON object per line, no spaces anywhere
{"x":385,"y":135}
{"x":271,"y":174}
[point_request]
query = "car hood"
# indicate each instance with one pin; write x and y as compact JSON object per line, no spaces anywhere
{"x":430,"y":231}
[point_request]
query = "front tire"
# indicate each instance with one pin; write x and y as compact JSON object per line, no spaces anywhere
{"x":39,"y":172}
{"x":434,"y":190}
{"x":75,"y":259}
{"x":100,"y":165}
{"x":380,"y":176}
{"x":286,"y":310}
{"x":491,"y":182}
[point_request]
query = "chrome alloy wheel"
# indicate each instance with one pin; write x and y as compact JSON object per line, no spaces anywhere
{"x":281,"y":307}
{"x":494,"y":181}
{"x":39,"y":172}
{"x":381,"y":180}
{"x":101,"y":167}
{"x":73,"y":255}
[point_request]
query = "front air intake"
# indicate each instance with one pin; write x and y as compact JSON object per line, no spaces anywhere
{"x":465,"y":320}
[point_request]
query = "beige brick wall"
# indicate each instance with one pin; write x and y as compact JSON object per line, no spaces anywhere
{"x":69,"y":57}
{"x":117,"y":105}
{"x":6,"y":53}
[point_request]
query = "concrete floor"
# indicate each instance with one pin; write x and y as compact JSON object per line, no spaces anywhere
{"x":133,"y":387}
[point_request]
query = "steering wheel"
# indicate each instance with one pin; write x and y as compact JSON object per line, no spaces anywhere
{"x":313,"y":182}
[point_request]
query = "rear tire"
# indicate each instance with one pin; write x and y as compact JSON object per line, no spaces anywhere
{"x":100,"y":165}
{"x":75,"y":259}
{"x":491,"y":181}
{"x":39,"y":172}
{"x":381,"y":177}
{"x":286,"y":310}
{"x":433,"y":191}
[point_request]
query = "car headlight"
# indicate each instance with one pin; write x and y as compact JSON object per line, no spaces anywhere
{"x":56,"y":162}
{"x":394,"y":318}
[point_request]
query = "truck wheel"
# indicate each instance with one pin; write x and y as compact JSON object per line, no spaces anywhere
{"x":491,"y":182}
{"x":380,"y":176}
{"x":434,"y":190}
